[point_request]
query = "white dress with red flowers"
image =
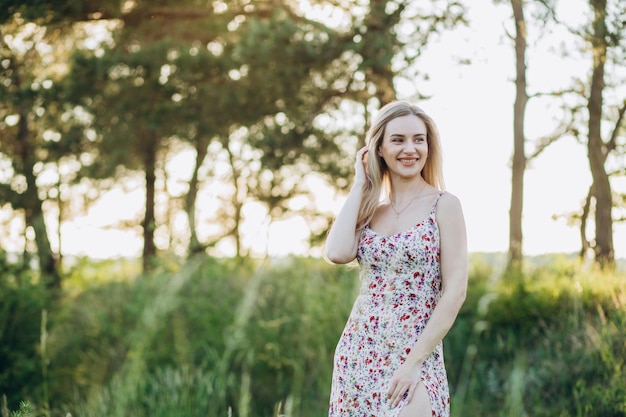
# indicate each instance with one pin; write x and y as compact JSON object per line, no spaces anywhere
{"x":401,"y":284}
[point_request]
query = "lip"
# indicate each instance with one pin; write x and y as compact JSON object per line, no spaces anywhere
{"x":407,"y":161}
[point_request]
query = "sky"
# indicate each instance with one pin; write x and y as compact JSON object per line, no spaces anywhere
{"x":473,"y":107}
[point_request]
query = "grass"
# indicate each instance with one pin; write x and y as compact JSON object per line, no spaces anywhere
{"x":256,"y":339}
{"x":25,"y":409}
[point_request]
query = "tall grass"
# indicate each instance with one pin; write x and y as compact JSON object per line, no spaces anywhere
{"x":24,"y":410}
{"x":549,"y":343}
{"x":256,"y":339}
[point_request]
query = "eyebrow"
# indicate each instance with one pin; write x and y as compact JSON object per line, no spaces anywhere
{"x":391,"y":135}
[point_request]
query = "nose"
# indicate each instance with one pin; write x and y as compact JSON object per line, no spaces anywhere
{"x":410,"y":146}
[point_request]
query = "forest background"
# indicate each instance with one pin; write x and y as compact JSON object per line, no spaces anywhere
{"x":213,"y":122}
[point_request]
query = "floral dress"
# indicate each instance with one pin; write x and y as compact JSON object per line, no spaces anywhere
{"x":401,"y":284}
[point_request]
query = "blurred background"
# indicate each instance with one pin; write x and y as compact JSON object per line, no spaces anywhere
{"x":169,"y":170}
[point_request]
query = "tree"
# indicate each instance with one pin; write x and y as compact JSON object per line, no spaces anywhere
{"x":207,"y":77}
{"x":605,"y":41}
{"x":24,"y":91}
{"x":144,"y":90}
{"x":519,"y":137}
{"x":520,"y":157}
{"x":597,"y":149}
{"x":217,"y":81}
{"x":391,"y":36}
{"x":133,"y":111}
{"x":41,"y":135}
{"x":543,"y":13}
{"x":292,"y":143}
{"x":281,"y":146}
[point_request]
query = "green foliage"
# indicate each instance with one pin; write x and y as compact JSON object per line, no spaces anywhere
{"x":30,"y":9}
{"x":54,"y":11}
{"x":20,"y":316}
{"x":255,"y":89}
{"x":256,"y":338}
{"x":24,"y":410}
{"x":108,"y":93}
{"x":544,"y":343}
{"x":299,"y":312}
{"x":251,"y":335}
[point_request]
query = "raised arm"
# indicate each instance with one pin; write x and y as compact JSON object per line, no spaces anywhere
{"x":343,"y":238}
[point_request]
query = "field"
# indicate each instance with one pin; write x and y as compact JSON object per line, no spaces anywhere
{"x":255,"y":338}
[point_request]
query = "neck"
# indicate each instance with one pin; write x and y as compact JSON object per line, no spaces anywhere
{"x":405,"y":190}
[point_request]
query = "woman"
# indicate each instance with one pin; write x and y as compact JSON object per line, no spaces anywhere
{"x":412,"y":251}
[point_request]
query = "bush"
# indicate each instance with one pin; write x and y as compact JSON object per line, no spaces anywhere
{"x":23,"y":411}
{"x":550,"y":343}
{"x":23,"y":301}
{"x":256,"y":338}
{"x":263,"y":333}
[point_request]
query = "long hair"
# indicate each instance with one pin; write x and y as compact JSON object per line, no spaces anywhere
{"x":377,"y":171}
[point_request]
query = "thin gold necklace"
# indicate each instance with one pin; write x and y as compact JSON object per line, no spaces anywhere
{"x":398,"y":213}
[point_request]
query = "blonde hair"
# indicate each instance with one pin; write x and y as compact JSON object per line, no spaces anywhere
{"x":377,"y":171}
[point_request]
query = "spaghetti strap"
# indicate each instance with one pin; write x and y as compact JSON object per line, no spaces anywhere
{"x":434,"y":208}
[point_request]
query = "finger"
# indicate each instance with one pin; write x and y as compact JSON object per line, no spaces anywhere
{"x":361,"y":157}
{"x":410,"y":393}
{"x":394,"y":400}
{"x":398,"y":397}
{"x":391,"y":397}
{"x":390,"y":391}
{"x":394,"y":396}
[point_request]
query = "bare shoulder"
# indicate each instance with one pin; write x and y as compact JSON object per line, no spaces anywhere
{"x":449,"y":209}
{"x":448,"y":203}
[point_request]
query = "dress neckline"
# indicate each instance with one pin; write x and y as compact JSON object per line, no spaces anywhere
{"x":410,"y":229}
{"x":415,"y":226}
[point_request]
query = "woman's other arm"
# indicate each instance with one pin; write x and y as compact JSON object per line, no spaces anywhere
{"x":454,"y":285}
{"x":453,"y":258}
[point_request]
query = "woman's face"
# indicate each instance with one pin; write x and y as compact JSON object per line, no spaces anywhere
{"x":404,"y":147}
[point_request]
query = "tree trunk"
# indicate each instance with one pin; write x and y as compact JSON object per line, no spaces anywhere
{"x":237,"y":228}
{"x":584,"y":242}
{"x":33,"y":210}
{"x":237,"y":204}
{"x":148,"y":224}
{"x":596,"y":149}
{"x":519,"y":156}
{"x":60,"y":218}
{"x":192,"y":195}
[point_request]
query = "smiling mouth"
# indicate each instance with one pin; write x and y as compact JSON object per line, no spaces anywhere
{"x":408,"y":161}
